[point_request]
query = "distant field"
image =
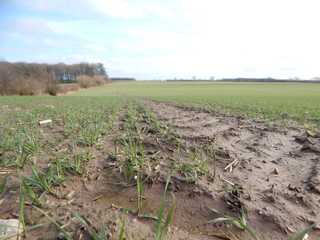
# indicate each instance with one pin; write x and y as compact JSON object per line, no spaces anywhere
{"x":299,"y":102}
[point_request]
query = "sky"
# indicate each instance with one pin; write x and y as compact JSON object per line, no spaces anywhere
{"x":161,"y":39}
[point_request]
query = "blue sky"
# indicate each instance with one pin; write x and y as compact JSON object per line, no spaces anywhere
{"x":159,"y":39}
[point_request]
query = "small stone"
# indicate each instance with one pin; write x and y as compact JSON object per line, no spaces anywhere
{"x":12,"y":229}
{"x":290,"y":229}
{"x":271,"y":198}
{"x":45,"y":122}
{"x":111,"y":164}
{"x":276,"y":172}
{"x":70,"y":194}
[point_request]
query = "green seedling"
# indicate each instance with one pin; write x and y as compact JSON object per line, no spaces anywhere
{"x":6,"y":160}
{"x":122,"y":230}
{"x":44,"y":181}
{"x":240,"y":223}
{"x":90,"y":135}
{"x":74,"y":168}
{"x":21,"y":213}
{"x":31,"y":194}
{"x":163,"y":129}
{"x":3,"y":183}
{"x":199,"y":163}
{"x":188,"y":170}
{"x":7,"y":141}
{"x":92,"y":232}
{"x":139,"y":192}
{"x":78,"y":166}
{"x":65,"y":234}
{"x":132,"y":158}
{"x":31,"y":146}
{"x":60,"y":170}
{"x":162,"y":227}
{"x":103,"y":236}
{"x":21,"y":159}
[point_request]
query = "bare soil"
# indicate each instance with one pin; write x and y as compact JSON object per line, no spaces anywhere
{"x":278,"y":170}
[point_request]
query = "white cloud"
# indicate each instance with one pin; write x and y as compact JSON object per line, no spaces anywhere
{"x":56,"y":6}
{"x":95,"y":47}
{"x":178,"y":38}
{"x":30,"y":26}
{"x":119,"y":8}
{"x":77,"y":58}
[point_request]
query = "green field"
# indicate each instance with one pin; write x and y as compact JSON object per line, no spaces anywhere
{"x":105,"y":147}
{"x":297,"y":102}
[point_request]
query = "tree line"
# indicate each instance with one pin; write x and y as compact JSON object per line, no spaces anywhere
{"x":23,"y":78}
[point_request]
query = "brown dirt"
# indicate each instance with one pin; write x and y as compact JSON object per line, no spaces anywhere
{"x":278,"y":170}
{"x":281,"y":202}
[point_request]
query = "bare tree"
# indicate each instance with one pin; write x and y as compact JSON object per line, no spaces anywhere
{"x":30,"y":78}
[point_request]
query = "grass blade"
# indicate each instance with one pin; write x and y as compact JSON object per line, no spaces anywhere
{"x":139,"y":186}
{"x":3,"y":183}
{"x":238,"y":223}
{"x":31,"y":194}
{"x":301,"y":234}
{"x":21,"y":213}
{"x":168,"y":218}
{"x":90,"y":229}
{"x":122,"y":230}
{"x":160,"y":215}
{"x":161,"y":229}
{"x":68,"y":237}
{"x":103,"y":232}
{"x":35,"y":226}
{"x":7,"y":226}
{"x":216,"y":220}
